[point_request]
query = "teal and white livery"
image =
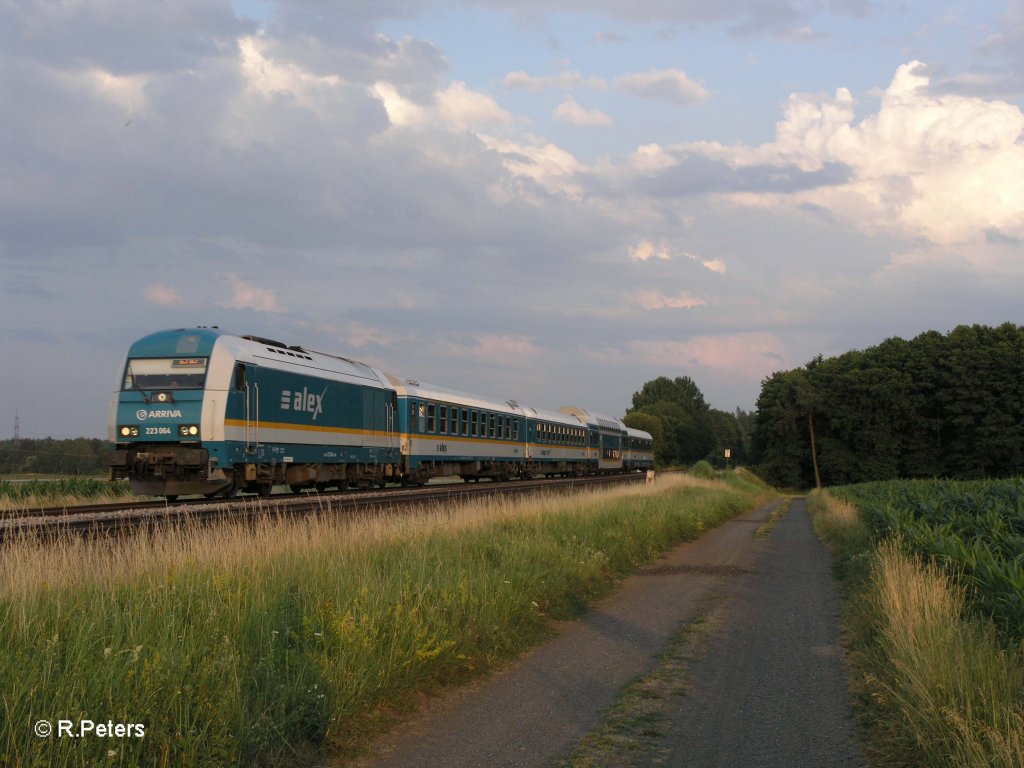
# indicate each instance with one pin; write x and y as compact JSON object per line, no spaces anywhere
{"x":200,"y":411}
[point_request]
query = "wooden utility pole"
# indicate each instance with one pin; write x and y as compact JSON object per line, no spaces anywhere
{"x":814,"y":450}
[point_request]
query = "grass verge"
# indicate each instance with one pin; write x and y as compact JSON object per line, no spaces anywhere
{"x":266,"y":643}
{"x":934,"y":685}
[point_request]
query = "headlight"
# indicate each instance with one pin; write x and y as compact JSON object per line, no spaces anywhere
{"x":128,"y":430}
{"x":188,"y":430}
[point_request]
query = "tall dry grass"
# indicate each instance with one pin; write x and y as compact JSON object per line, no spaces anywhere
{"x":257,"y":643}
{"x":936,"y":685}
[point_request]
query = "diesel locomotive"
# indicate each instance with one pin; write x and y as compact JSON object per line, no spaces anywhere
{"x":201,"y":411}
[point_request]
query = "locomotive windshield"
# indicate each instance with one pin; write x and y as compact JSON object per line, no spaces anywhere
{"x":165,"y":373}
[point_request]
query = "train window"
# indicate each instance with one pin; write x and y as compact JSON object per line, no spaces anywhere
{"x":239,"y":377}
{"x":431,"y":417}
{"x":454,"y":426}
{"x":490,"y":432}
{"x":465,"y":421}
{"x":515,"y":429}
{"x":472,"y":423}
{"x":444,"y":420}
{"x":165,"y":373}
{"x":422,"y":417}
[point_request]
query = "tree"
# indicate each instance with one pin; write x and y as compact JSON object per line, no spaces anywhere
{"x":936,"y":405}
{"x":679,"y":406}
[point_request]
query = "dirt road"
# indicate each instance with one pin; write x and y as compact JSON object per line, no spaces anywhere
{"x":766,"y":686}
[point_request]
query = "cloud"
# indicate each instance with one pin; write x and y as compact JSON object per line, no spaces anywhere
{"x":670,"y":85}
{"x":245,"y":295}
{"x":460,"y":108}
{"x":751,"y":355}
{"x":571,"y":111}
{"x":659,"y":300}
{"x":944,"y":167}
{"x":549,"y":166}
{"x":567,"y":80}
{"x":164,"y":296}
{"x":494,"y":349}
{"x":646,"y":250}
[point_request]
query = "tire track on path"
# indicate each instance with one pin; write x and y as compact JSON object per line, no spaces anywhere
{"x":540,"y":707}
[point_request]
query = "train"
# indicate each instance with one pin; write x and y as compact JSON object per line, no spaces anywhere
{"x":203,"y":411}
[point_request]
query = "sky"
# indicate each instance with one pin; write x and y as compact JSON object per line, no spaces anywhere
{"x":552,"y":201}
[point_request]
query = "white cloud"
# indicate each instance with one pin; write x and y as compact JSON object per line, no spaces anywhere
{"x":546,"y":164}
{"x":456,"y":108}
{"x":671,"y":85}
{"x":401,"y":111}
{"x":750,"y":355}
{"x":660,"y":300}
{"x":565,"y":80}
{"x":245,"y":295}
{"x":163,"y":295}
{"x":949,"y":168}
{"x":646,"y":250}
{"x":461,"y":107}
{"x":495,"y":349}
{"x":571,"y":111}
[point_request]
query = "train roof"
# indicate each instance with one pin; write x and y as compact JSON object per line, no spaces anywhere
{"x":414,"y":388}
{"x":594,"y":419}
{"x":275,"y":354}
{"x":558,"y":417}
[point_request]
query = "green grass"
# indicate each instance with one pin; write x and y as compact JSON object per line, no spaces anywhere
{"x":936,"y":685}
{"x":267,"y":643}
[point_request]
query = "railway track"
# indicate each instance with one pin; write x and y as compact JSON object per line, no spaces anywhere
{"x":97,"y":519}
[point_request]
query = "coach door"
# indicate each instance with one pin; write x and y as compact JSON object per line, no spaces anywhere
{"x":391,"y":441}
{"x":249,"y":390}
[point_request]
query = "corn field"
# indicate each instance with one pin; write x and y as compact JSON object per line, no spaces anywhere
{"x":973,"y":529}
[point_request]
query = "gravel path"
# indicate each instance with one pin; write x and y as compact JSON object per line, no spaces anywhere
{"x":770,"y":689}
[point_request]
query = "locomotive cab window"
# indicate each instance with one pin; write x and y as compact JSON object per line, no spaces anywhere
{"x":147,"y":374}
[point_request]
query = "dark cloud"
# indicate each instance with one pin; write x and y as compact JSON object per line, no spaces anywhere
{"x":697,"y":176}
{"x":120,"y":37}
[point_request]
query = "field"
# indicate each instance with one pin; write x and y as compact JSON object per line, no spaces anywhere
{"x":973,"y":529}
{"x":263,"y":644}
{"x":24,"y":494}
{"x":935,"y":621}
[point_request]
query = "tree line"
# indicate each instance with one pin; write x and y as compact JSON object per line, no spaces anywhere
{"x":685,"y":428}
{"x":77,"y":456}
{"x":948,"y":406}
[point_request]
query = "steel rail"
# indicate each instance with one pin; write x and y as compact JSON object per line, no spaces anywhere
{"x":117,"y":518}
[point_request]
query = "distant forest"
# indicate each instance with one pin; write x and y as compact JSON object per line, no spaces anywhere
{"x":79,"y":456}
{"x":948,"y":406}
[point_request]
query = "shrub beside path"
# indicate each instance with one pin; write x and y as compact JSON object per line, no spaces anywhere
{"x":767,"y":688}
